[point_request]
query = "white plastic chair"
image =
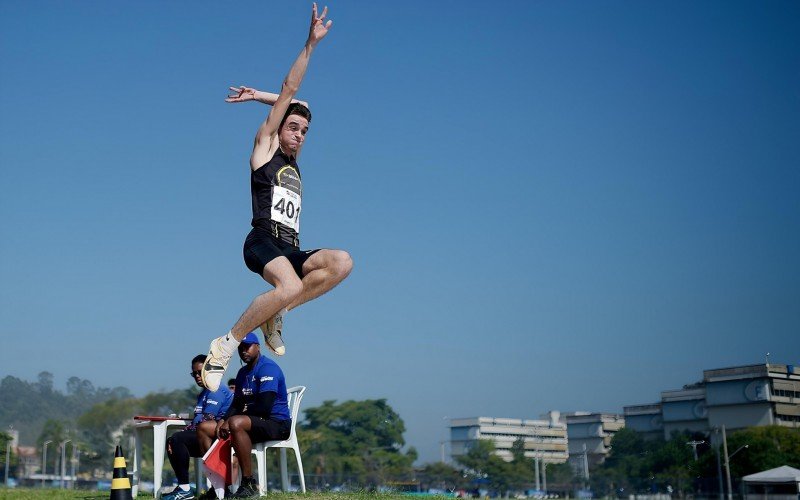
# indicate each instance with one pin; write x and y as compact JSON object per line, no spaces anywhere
{"x":295,"y":395}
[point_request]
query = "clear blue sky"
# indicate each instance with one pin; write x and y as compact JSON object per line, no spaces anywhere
{"x":551,"y":205}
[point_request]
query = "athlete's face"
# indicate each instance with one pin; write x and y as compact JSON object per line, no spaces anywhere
{"x":249,"y":352}
{"x":196,"y":367}
{"x":293,"y":134}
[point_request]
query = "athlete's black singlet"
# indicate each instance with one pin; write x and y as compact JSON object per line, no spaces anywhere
{"x":277,"y":190}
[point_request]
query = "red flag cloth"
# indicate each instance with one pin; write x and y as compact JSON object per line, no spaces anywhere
{"x":217,"y":463}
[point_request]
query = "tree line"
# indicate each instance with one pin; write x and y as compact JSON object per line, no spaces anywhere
{"x":639,"y":465}
{"x":361,"y":444}
{"x":357,"y":442}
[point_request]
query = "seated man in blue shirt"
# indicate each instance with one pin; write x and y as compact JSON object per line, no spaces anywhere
{"x":259,"y":412}
{"x":182,"y":445}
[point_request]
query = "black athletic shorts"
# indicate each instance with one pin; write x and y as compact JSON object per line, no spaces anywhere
{"x":265,"y":429}
{"x":261,"y":247}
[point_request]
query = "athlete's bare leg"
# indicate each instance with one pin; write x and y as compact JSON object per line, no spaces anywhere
{"x":288,"y":288}
{"x":322,"y":271}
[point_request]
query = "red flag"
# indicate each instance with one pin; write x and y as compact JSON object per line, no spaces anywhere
{"x":217,"y":463}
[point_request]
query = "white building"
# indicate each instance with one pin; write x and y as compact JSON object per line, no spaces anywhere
{"x":590,"y":436}
{"x":545,"y":439}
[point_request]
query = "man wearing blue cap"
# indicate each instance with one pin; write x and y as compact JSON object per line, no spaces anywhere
{"x":259,"y":412}
{"x":183,"y":445}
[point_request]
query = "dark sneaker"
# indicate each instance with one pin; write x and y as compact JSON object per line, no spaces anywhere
{"x":208,"y":495}
{"x":248,"y":488}
{"x":178,"y":494}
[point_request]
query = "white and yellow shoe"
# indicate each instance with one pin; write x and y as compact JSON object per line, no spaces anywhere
{"x":272,"y":329}
{"x":216,"y":363}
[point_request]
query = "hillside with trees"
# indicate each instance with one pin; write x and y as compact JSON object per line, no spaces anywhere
{"x":28,"y":405}
{"x":93,"y":418}
{"x":354,"y":442}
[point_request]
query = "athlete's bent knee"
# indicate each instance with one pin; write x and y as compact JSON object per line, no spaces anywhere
{"x":290,"y":291}
{"x":342,"y":263}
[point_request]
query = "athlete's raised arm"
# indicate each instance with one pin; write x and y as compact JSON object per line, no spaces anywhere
{"x":244,"y":94}
{"x":266,"y":142}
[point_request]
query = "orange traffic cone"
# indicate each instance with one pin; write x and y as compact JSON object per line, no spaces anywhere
{"x":120,"y":484}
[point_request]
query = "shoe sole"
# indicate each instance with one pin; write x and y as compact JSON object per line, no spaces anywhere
{"x":273,"y":350}
{"x":209,"y":368}
{"x":266,"y":341}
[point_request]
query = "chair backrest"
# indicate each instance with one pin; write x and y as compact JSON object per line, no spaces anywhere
{"x":294,"y":396}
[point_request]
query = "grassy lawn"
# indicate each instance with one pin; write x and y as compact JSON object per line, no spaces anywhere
{"x":48,"y":494}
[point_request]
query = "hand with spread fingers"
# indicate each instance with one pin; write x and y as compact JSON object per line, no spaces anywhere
{"x":319,"y":28}
{"x":241,"y":94}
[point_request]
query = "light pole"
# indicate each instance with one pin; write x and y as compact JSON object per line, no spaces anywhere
{"x":719,"y":473}
{"x":544,"y":477}
{"x":44,"y":459}
{"x":73,"y":462}
{"x":728,"y":470}
{"x":586,"y":465}
{"x":728,"y":461}
{"x":8,"y":451}
{"x":694,"y":444}
{"x":63,"y":446}
{"x":538,"y":457}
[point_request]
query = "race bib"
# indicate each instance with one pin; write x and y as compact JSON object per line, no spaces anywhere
{"x":286,"y":208}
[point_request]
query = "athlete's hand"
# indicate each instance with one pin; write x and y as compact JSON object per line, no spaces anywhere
{"x":240,"y":94}
{"x":319,"y":28}
{"x":244,"y":94}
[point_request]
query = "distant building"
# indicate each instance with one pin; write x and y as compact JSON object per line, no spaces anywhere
{"x":589,"y":436}
{"x":645,"y":419}
{"x":684,"y":410}
{"x":737,"y":397}
{"x":28,"y":461}
{"x":546,"y":439}
{"x":753,"y":395}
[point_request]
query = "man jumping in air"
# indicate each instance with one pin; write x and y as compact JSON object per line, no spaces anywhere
{"x":272,"y":249}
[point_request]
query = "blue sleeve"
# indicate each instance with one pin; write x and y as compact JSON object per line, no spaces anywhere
{"x":268,"y":376}
{"x":226,"y":404}
{"x":218,"y":402}
{"x":199,"y":408}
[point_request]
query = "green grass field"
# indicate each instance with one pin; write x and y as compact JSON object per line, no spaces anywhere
{"x":49,"y":494}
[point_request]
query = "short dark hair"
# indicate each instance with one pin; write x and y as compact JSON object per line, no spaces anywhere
{"x":296,"y":108}
{"x":200,"y":358}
